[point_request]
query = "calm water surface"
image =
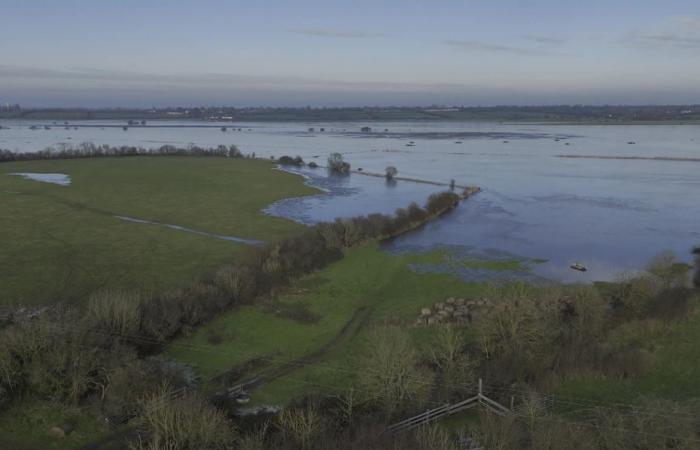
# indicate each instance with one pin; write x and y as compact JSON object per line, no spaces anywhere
{"x":611,"y":215}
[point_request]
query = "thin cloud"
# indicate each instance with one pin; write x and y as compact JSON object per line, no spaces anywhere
{"x":676,"y":32}
{"x":469,"y":45}
{"x":549,"y":40}
{"x":691,"y":23}
{"x":673,"y":39}
{"x":324,"y":32}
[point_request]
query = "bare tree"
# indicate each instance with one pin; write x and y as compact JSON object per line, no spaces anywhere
{"x":337,"y":164}
{"x":390,"y":373}
{"x":301,"y":425}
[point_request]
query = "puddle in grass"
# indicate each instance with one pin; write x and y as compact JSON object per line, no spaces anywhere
{"x":53,"y":178}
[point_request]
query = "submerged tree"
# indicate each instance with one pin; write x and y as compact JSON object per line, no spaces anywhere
{"x":337,"y":164}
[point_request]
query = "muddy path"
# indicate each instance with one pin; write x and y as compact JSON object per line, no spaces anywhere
{"x":272,"y":371}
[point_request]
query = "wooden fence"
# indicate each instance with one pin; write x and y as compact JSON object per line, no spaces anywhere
{"x":447,"y":409}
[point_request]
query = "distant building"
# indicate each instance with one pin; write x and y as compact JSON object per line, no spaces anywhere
{"x":366,"y":129}
{"x":10,"y":107}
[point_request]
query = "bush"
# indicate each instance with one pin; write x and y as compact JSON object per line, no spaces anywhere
{"x":115,"y":312}
{"x":630,"y":295}
{"x":186,"y":423}
{"x":302,"y":426}
{"x":289,"y":161}
{"x":440,"y":203}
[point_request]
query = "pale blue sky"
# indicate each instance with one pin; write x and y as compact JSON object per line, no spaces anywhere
{"x":157,"y":52}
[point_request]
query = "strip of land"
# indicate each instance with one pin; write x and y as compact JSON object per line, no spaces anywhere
{"x":633,"y":158}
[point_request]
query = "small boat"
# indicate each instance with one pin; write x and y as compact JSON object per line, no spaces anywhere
{"x":631,"y":142}
{"x":243,"y":398}
{"x":578,"y":266}
{"x":458,"y":142}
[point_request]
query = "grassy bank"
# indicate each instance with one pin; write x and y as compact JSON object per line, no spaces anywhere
{"x":319,"y":326}
{"x":62,"y":242}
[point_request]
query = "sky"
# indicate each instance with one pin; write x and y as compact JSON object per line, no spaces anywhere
{"x":126,"y":53}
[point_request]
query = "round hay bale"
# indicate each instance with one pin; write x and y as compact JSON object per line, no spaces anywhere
{"x":57,"y":432}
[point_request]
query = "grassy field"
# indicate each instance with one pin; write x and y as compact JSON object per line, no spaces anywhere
{"x":60,"y":243}
{"x":367,"y":287}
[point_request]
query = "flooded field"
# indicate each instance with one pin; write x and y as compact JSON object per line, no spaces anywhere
{"x":628,"y":193}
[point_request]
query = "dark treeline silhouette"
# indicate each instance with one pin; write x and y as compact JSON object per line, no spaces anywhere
{"x":90,"y":150}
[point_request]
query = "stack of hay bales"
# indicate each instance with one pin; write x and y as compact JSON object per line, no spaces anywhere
{"x":452,"y":310}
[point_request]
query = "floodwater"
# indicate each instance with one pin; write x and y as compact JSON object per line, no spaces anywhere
{"x":610,"y":215}
{"x":53,"y":178}
{"x":190,"y":230}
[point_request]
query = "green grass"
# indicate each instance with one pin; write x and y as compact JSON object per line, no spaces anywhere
{"x":26,"y":426}
{"x":369,"y":278}
{"x":62,"y":243}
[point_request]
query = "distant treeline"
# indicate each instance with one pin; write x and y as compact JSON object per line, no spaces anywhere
{"x":90,"y":150}
{"x":566,"y":113}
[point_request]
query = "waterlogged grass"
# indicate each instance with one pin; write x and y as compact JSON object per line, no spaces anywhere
{"x":62,"y":243}
{"x":453,"y":260}
{"x":367,"y":287}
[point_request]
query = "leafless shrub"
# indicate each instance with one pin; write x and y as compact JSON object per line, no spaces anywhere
{"x":115,"y":312}
{"x":187,"y":423}
{"x":302,"y":426}
{"x":433,"y":437}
